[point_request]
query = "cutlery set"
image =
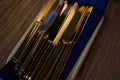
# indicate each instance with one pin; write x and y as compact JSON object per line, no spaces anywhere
{"x":46,"y":50}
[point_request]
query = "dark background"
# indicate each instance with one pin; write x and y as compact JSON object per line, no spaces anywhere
{"x":103,"y":60}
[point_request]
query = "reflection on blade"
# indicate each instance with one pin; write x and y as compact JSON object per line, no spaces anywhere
{"x":45,"y":10}
{"x":82,"y":22}
{"x":64,"y":7}
{"x":69,"y":33}
{"x":57,"y":24}
{"x":65,"y":24}
{"x":78,"y":28}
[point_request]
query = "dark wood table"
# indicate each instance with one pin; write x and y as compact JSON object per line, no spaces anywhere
{"x":103,"y":60}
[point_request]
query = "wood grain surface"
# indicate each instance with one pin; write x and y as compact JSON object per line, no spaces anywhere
{"x":103,"y":60}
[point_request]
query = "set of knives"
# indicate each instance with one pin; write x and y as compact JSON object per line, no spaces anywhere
{"x":46,"y":49}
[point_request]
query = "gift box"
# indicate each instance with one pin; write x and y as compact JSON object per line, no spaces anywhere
{"x":78,"y":52}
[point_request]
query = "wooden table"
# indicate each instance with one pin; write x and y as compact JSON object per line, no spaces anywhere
{"x":103,"y":60}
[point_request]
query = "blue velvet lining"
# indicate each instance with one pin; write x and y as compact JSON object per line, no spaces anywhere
{"x":7,"y":72}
